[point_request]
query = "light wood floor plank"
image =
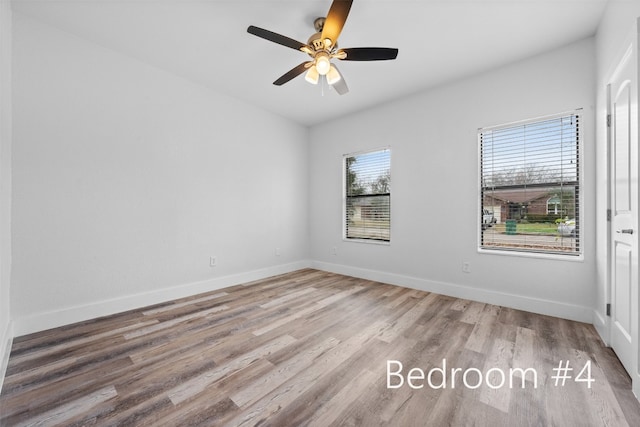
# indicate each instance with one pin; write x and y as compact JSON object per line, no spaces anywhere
{"x":281,"y":373}
{"x":200,"y":383}
{"x":190,"y":303}
{"x":69,"y":410}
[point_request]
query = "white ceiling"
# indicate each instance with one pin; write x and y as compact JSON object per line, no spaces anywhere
{"x":206,"y":41}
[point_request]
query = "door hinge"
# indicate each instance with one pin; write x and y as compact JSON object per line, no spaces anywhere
{"x":608,"y":309}
{"x":608,"y":120}
{"x":609,"y":215}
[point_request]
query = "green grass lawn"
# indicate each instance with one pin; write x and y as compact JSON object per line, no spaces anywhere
{"x":531,"y":228}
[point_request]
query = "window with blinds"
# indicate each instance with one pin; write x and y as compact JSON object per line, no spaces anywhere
{"x":368,"y":195}
{"x":530,"y":186}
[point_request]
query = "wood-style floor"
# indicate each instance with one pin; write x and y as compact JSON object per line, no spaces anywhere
{"x":311,"y":348}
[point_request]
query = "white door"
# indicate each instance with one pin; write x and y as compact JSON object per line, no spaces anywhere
{"x":624,"y":210}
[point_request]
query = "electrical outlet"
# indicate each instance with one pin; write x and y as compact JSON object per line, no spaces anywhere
{"x":278,"y":252}
{"x":466,"y":267}
{"x":213,"y":261}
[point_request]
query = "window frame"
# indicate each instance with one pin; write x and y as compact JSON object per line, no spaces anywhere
{"x":580,"y":207}
{"x":345,"y":198}
{"x":555,"y":204}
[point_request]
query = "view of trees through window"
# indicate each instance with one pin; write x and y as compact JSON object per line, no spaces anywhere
{"x":530,"y":186}
{"x":368,"y":195}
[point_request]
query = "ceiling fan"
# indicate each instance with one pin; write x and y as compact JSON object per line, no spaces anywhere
{"x":322,"y":47}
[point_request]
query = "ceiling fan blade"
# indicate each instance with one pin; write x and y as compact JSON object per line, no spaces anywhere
{"x":275,"y":37}
{"x":336,"y":18}
{"x":340,"y":86}
{"x":369,"y":53}
{"x":292,"y":73}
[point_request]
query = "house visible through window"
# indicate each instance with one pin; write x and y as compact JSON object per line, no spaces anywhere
{"x":554,"y":206}
{"x":530,"y":186}
{"x":368,"y":195}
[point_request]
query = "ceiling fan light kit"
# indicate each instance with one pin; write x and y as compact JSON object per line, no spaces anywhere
{"x":312,"y":76}
{"x":332,"y":75}
{"x":322,"y":47}
{"x":322,"y":62}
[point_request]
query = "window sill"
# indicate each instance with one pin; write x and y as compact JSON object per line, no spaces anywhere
{"x":538,"y":255}
{"x":369,"y":241}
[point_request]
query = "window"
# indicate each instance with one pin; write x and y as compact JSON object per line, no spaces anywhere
{"x":554,"y":205}
{"x":368,"y":195}
{"x":530,"y":180}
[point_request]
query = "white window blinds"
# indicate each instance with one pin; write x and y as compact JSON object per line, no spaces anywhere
{"x":368,"y":195}
{"x":530,"y":186}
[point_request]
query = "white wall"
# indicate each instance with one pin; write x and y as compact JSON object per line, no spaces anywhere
{"x":6,"y":332}
{"x":434,"y":169}
{"x":617,"y":24}
{"x":126,"y":179}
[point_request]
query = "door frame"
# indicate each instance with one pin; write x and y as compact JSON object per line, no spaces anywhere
{"x":633,"y":38}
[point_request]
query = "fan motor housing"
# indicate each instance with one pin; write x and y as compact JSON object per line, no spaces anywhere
{"x":315,"y":41}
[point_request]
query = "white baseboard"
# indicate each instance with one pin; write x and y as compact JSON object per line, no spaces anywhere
{"x":5,"y":351}
{"x":65,"y":316}
{"x":42,"y":321}
{"x":602,"y":327}
{"x":534,"y":305}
